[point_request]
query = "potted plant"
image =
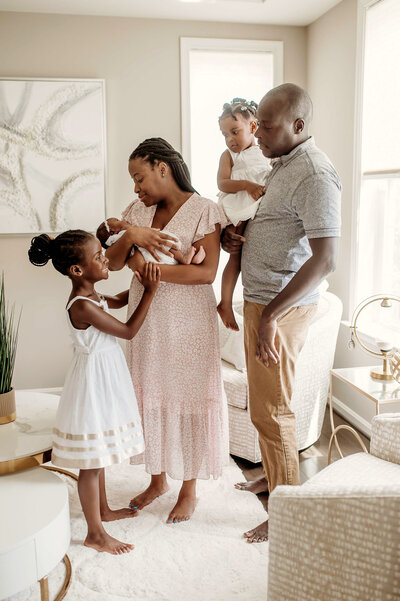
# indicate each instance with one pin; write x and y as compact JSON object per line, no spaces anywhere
{"x":8,"y":347}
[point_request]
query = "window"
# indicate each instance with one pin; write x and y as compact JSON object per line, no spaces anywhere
{"x":378,"y":160}
{"x":213,"y":72}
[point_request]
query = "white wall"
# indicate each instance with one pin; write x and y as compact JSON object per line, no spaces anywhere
{"x":139,"y":59}
{"x":331,"y":82}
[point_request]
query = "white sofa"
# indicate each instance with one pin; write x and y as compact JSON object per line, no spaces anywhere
{"x":311,"y":385}
{"x":337,"y":537}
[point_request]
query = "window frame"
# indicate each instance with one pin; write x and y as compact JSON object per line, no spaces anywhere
{"x":358,"y":175}
{"x":188,"y":44}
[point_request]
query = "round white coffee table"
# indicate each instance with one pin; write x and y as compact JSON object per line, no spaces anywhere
{"x":35,"y":530}
{"x":24,"y":441}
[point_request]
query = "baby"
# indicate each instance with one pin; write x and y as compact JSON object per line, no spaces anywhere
{"x":112,"y":229}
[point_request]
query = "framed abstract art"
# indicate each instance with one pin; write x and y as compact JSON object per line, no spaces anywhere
{"x":52,"y":155}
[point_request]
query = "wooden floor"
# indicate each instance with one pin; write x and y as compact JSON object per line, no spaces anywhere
{"x":315,"y":458}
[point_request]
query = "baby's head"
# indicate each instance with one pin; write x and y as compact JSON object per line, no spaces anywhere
{"x":108,"y":228}
{"x":238,"y":123}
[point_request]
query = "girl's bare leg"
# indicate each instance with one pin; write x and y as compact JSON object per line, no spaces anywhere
{"x":229,"y":279}
{"x":186,"y":503}
{"x":157,"y":487}
{"x":89,"y":494}
{"x":107,"y":514}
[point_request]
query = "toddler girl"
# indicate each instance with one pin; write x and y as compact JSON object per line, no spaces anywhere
{"x":241,"y":177}
{"x":111,"y":230}
{"x":97,"y":422}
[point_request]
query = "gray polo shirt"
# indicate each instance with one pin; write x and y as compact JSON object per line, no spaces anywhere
{"x":302,"y":201}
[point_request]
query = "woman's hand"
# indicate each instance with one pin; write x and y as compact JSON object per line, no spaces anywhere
{"x":152,"y":240}
{"x":150,"y":279}
{"x":255,"y":190}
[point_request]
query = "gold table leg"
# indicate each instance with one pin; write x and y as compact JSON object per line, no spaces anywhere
{"x":333,"y":437}
{"x":333,"y":429}
{"x":44,"y":583}
{"x":44,"y":589}
{"x":52,"y":468}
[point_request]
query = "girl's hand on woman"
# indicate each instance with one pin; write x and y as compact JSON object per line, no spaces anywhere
{"x":255,"y":190}
{"x":152,"y":240}
{"x":150,"y":279}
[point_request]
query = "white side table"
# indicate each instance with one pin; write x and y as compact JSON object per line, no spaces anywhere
{"x":24,"y":441}
{"x":380,"y":392}
{"x":35,"y":531}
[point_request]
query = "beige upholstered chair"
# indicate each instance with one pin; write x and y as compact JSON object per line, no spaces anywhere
{"x":311,"y":386}
{"x":337,"y":537}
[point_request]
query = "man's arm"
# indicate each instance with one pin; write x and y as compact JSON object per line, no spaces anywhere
{"x":312,"y":272}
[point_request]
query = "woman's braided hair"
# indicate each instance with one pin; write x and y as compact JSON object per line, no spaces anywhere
{"x":239,"y":106}
{"x":155,"y":150}
{"x":64,"y":250}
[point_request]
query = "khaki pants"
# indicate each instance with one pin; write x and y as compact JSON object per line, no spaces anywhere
{"x":271,"y":388}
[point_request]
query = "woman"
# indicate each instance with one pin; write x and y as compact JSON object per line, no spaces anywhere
{"x":174,"y":359}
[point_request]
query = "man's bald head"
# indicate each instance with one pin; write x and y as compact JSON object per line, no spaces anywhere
{"x":284,"y":114}
{"x":296,"y":101}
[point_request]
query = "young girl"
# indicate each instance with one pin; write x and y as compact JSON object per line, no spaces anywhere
{"x":241,"y":176}
{"x":97,"y":422}
{"x":175,"y":359}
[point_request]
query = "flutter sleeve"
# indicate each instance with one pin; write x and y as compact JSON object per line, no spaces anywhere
{"x":211,"y":214}
{"x":132,"y":211}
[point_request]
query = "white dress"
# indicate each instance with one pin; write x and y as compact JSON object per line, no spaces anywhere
{"x":97,"y":421}
{"x":250,"y":164}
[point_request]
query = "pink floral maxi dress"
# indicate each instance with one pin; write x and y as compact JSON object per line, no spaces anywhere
{"x":175,"y":360}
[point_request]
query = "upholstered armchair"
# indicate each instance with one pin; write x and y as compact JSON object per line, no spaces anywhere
{"x":337,"y":537}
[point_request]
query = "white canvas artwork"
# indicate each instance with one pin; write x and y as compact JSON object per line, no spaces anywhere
{"x":52,"y":155}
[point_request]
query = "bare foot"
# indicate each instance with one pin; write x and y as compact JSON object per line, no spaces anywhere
{"x":226,"y":314}
{"x":148,"y":496}
{"x":254,"y":486}
{"x":188,"y":258}
{"x":105,"y":542}
{"x":199,"y":256}
{"x":183,"y":510}
{"x":259,"y":534}
{"x":110,"y":515}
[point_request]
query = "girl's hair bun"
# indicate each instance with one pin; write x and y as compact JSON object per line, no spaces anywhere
{"x":40,"y":250}
{"x":245,"y":108}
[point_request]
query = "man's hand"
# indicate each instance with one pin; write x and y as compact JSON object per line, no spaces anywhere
{"x":266,"y":350}
{"x":232,"y":242}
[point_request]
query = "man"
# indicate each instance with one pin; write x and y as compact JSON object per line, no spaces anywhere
{"x":290,"y":246}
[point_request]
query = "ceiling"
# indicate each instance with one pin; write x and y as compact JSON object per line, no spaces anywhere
{"x":273,"y":12}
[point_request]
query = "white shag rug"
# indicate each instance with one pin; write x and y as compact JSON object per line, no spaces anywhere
{"x":205,"y":558}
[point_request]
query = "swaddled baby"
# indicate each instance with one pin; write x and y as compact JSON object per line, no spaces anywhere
{"x":113,"y":229}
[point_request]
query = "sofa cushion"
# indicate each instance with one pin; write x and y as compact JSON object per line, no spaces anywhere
{"x":235,"y":384}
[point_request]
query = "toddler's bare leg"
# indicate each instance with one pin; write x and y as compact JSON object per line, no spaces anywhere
{"x":229,"y":279}
{"x":89,"y":494}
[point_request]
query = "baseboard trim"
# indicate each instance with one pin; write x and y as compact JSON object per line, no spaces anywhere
{"x":352,"y":417}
